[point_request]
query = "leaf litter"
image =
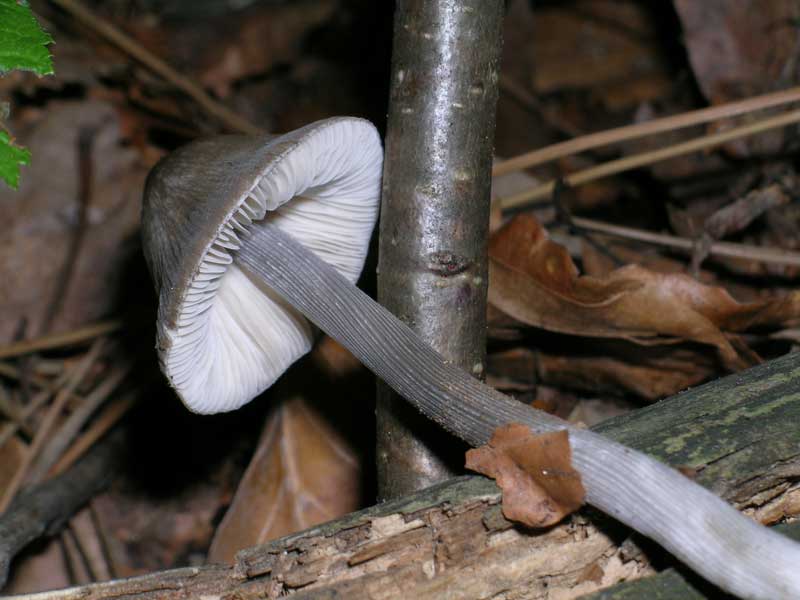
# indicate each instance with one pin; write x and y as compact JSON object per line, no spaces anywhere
{"x":535,"y":281}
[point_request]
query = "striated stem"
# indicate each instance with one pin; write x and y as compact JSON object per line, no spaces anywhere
{"x":696,"y":526}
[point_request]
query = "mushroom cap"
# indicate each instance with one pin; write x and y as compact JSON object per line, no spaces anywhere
{"x":221,"y":339}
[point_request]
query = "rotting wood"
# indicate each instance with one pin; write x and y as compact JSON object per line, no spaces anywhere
{"x":669,"y":584}
{"x":738,"y":434}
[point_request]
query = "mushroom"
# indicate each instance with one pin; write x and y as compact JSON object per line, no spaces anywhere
{"x":696,"y":526}
{"x":221,"y":340}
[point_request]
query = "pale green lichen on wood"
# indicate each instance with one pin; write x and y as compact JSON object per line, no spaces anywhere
{"x":730,"y":429}
{"x":23,"y":46}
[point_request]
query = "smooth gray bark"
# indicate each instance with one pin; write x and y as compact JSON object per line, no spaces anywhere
{"x":432,"y":269}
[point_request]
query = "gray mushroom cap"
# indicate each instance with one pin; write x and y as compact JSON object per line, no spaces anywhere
{"x":222,"y":339}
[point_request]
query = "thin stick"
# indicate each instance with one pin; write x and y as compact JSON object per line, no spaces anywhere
{"x":725,"y":249}
{"x":104,"y":422}
{"x":131,"y":47}
{"x":630,"y":132}
{"x":43,"y":509}
{"x":47,"y":423}
{"x":59,"y":340}
{"x":648,"y":158}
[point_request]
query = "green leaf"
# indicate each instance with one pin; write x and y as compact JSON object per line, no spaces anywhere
{"x":23,"y":44}
{"x":11,"y":157}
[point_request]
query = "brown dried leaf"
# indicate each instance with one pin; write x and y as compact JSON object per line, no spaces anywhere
{"x":540,"y":486}
{"x":40,"y":221}
{"x":608,"y":47}
{"x":740,"y":49}
{"x":145,"y":532}
{"x":534,"y":280}
{"x":246,"y":43}
{"x":334,"y":359}
{"x":303,"y":473}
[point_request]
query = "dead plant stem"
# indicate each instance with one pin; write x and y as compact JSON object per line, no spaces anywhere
{"x":648,"y":158}
{"x":722,"y":249}
{"x":59,"y":340}
{"x":638,"y":130}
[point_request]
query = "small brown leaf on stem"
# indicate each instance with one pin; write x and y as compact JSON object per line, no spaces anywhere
{"x":540,"y":486}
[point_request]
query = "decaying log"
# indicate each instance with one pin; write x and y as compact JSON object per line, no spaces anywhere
{"x":737,"y":435}
{"x":669,"y":584}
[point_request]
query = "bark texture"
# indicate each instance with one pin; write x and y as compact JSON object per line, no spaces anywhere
{"x":737,"y":436}
{"x":432,"y":269}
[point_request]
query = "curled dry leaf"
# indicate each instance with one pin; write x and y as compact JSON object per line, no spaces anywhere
{"x":540,"y":486}
{"x":302,"y":474}
{"x":534,"y":280}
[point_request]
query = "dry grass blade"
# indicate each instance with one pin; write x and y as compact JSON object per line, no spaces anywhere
{"x":12,"y":372}
{"x":9,"y":409}
{"x":49,"y":420}
{"x":102,"y":425}
{"x":35,"y":403}
{"x":65,"y":435}
{"x":723,"y":249}
{"x":630,"y":132}
{"x":648,"y":158}
{"x":60,"y":340}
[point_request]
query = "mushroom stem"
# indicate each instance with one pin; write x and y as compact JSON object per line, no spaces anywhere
{"x":696,"y":526}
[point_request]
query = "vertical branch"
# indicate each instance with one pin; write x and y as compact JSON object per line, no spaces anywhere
{"x":435,"y":211}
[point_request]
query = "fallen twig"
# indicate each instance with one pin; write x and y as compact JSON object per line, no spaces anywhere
{"x":726,"y":249}
{"x":42,"y":509}
{"x":648,"y":158}
{"x":638,"y":130}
